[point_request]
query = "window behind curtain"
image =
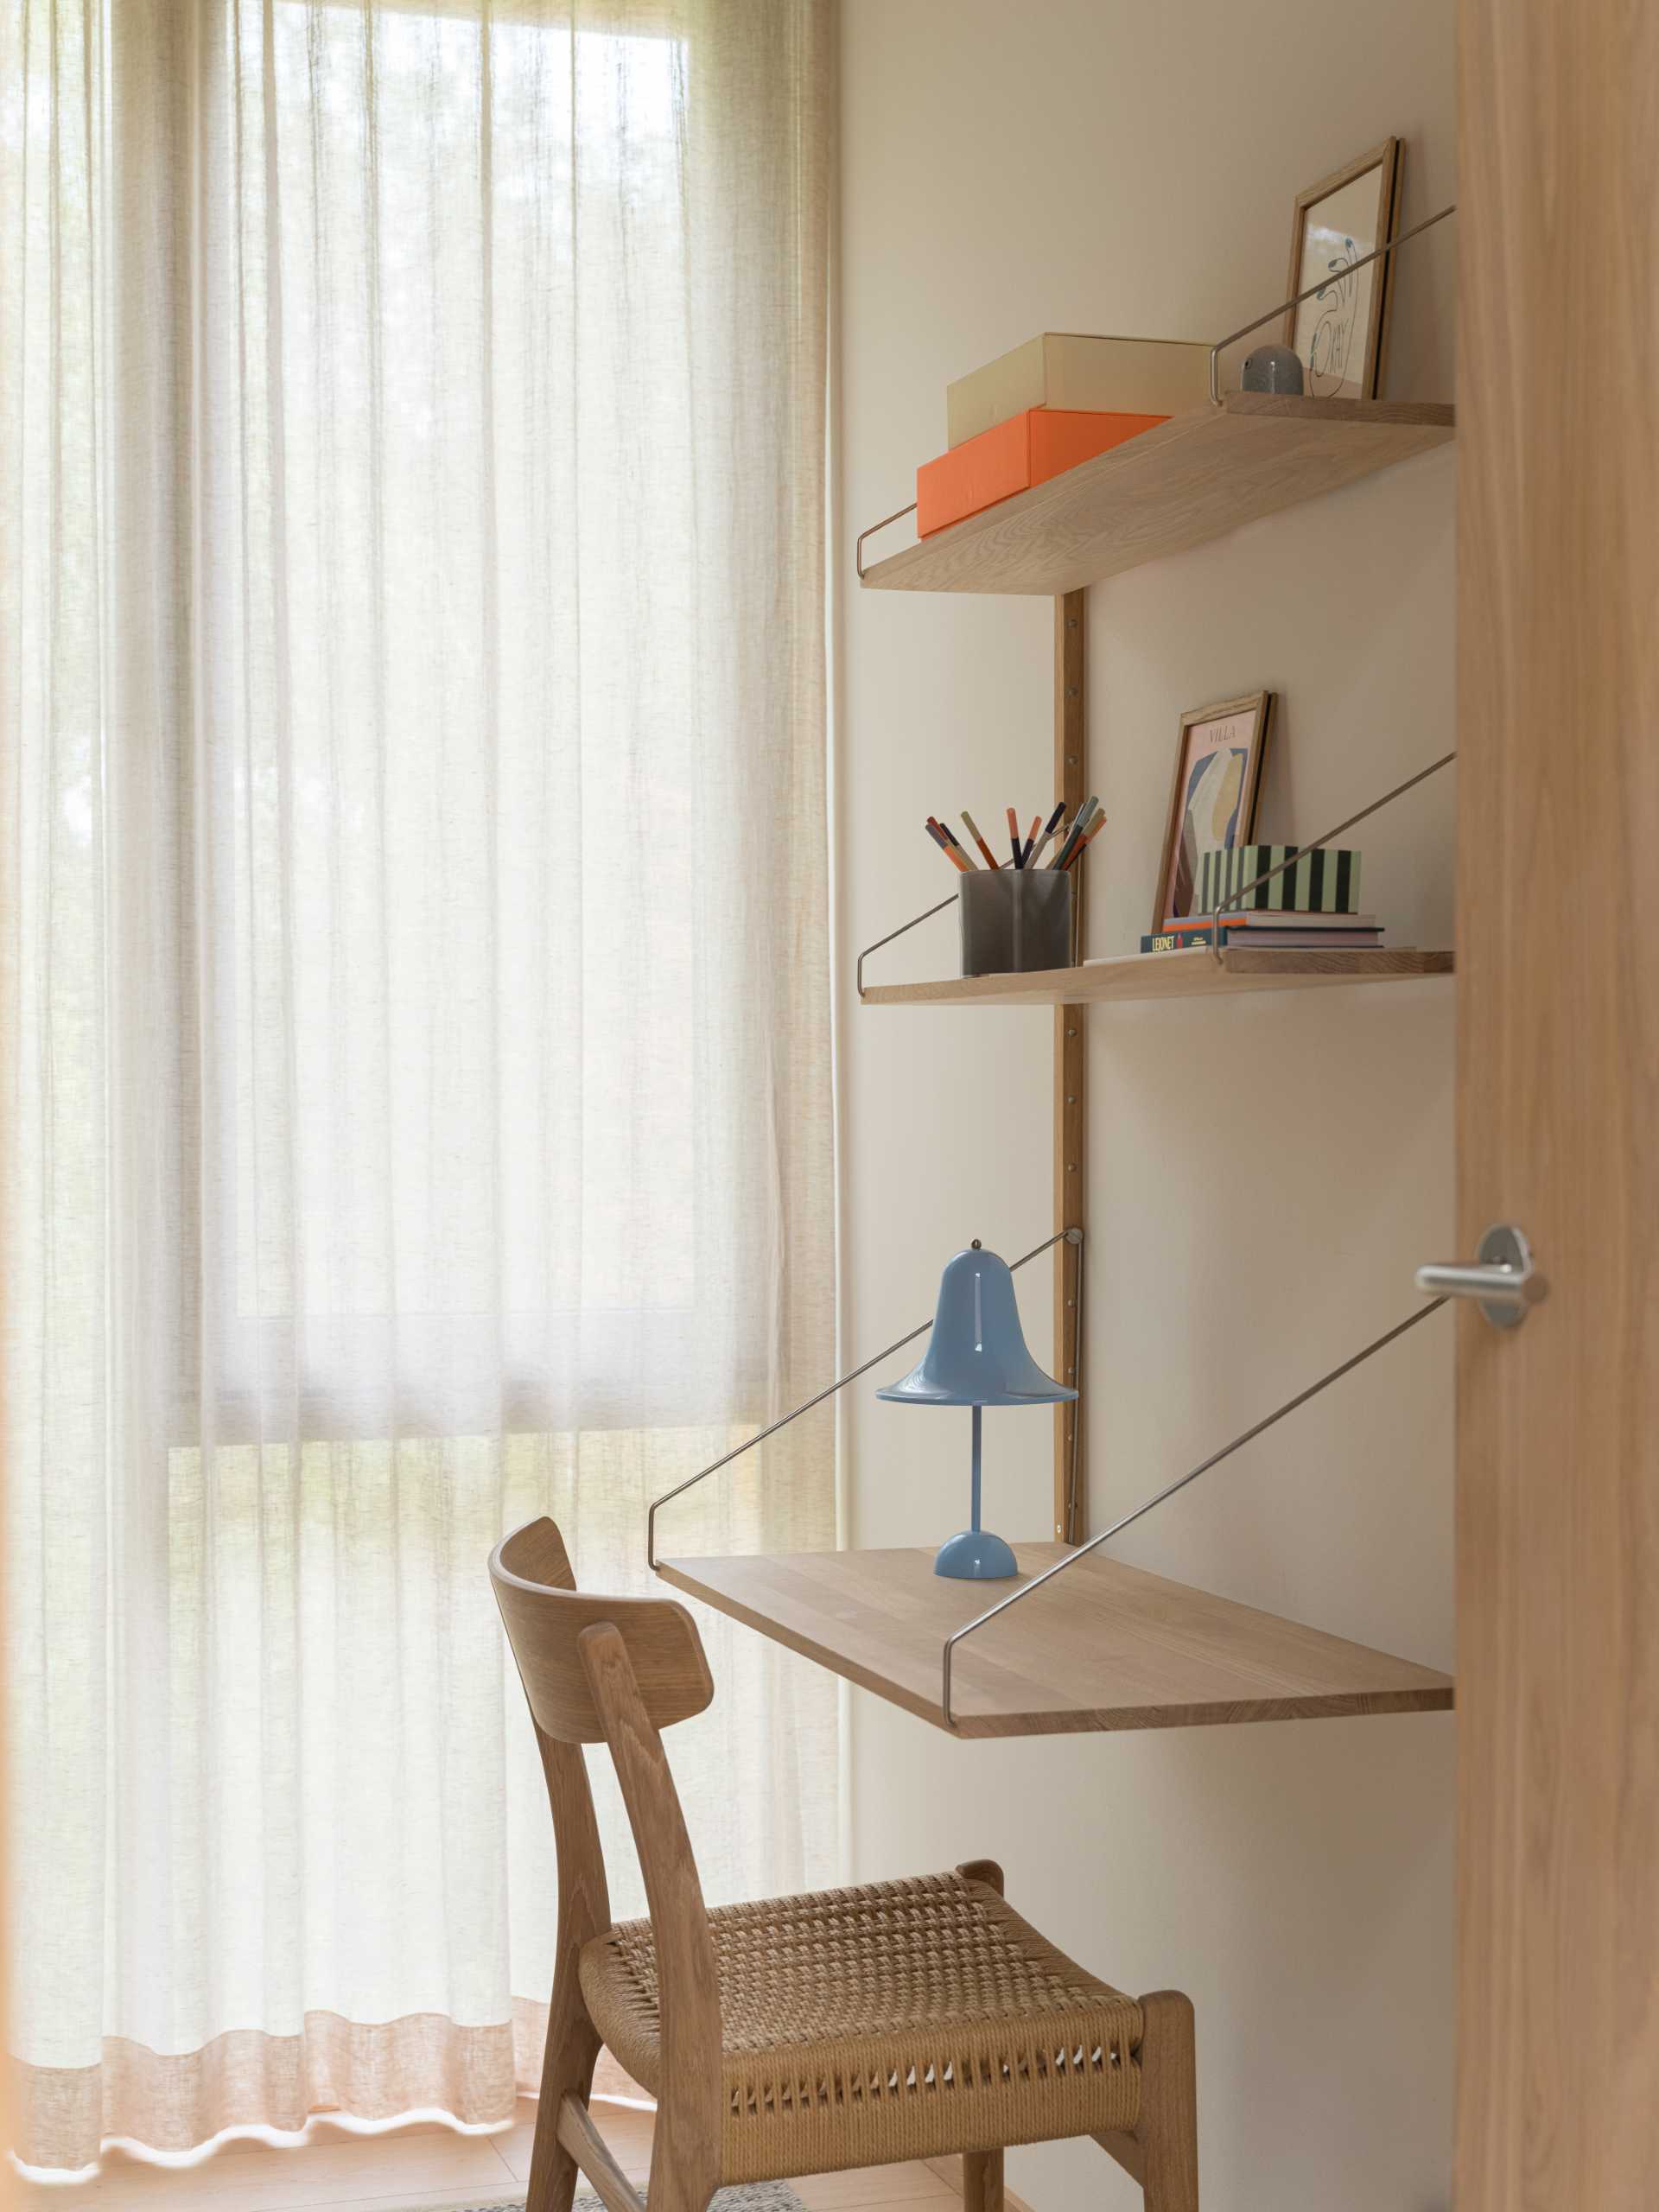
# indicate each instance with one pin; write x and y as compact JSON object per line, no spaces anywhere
{"x":465,"y":801}
{"x":412,"y":582}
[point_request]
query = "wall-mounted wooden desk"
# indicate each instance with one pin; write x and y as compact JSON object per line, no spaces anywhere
{"x":1104,"y":1647}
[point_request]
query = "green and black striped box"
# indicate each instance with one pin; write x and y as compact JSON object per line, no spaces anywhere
{"x":1324,"y":881}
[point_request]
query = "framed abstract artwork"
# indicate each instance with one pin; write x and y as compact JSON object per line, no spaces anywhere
{"x":1219,"y":762}
{"x":1341,"y":332}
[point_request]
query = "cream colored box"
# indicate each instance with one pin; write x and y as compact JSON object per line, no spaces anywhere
{"x":1059,"y":368}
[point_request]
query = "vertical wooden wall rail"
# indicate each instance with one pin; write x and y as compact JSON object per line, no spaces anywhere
{"x":1071,"y":1159}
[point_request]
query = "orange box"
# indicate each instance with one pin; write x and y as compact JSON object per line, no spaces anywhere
{"x":1025,"y":450}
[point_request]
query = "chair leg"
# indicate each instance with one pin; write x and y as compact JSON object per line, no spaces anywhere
{"x":981,"y":2181}
{"x":673,"y":2195}
{"x":981,"y":2170}
{"x":552,"y":2170}
{"x":684,"y":2160}
{"x":553,"y":2174}
{"x":1168,"y":2132}
{"x":567,"y":2070}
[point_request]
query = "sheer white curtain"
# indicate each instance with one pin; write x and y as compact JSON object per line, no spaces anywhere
{"x":416,"y":1022}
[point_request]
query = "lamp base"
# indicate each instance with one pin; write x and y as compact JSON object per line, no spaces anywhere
{"x":976,"y":1556}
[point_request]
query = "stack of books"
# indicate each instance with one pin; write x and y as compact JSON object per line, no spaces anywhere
{"x":1313,"y":901}
{"x":1058,"y":399}
{"x":1265,"y":930}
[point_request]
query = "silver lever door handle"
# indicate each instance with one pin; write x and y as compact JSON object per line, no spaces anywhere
{"x":1505,"y":1282}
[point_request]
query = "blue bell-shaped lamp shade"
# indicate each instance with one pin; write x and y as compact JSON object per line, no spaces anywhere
{"x":976,"y":1357}
{"x":976,"y":1354}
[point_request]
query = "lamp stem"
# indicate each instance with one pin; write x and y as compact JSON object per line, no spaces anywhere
{"x":978,"y":1416}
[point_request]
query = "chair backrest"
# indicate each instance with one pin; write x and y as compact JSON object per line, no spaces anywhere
{"x":545,"y":1614}
{"x":616,"y":1670}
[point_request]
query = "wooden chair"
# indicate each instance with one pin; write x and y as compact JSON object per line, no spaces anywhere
{"x":910,"y":2019}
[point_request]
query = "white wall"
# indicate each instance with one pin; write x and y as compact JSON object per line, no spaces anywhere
{"x":1265,"y":1172}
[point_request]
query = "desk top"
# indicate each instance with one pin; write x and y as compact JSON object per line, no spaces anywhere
{"x":1105,"y":1646}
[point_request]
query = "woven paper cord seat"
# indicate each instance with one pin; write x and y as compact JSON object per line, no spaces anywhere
{"x":903,"y":2020}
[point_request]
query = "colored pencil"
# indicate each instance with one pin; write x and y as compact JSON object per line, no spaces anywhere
{"x":974,"y":832}
{"x":1091,"y":833}
{"x":1049,"y":828}
{"x":991,"y":861}
{"x":1087,"y":839}
{"x":956,"y":846}
{"x":1030,"y":838}
{"x":1014,"y":838}
{"x":1064,"y":849}
{"x":1085,"y":815}
{"x":943,"y":842}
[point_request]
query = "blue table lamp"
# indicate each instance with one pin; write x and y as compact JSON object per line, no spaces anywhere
{"x":976,"y":1357}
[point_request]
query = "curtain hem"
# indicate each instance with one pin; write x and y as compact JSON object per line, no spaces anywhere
{"x":368,"y":2070}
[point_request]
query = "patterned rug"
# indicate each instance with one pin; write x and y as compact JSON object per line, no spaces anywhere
{"x":752,"y":2196}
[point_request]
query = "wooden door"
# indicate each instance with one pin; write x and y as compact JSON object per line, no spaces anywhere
{"x":1558,"y":1087}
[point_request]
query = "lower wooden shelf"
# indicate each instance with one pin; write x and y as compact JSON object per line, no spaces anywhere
{"x":1105,"y":1647}
{"x":1172,"y":976}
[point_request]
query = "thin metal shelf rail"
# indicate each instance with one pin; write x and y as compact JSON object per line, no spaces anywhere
{"x":1258,"y":1428}
{"x":1267,"y":875}
{"x":1061,"y":1237}
{"x":1016,"y":1596}
{"x":1377,"y":253}
{"x":1421,"y":776}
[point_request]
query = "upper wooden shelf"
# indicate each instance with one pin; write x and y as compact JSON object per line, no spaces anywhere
{"x":1172,"y":976}
{"x":1189,"y":479}
{"x":1104,"y":1647}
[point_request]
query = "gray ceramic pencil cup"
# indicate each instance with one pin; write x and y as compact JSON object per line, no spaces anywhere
{"x":1015,"y":920}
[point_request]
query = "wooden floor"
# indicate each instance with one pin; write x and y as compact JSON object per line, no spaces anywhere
{"x":424,"y":2164}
